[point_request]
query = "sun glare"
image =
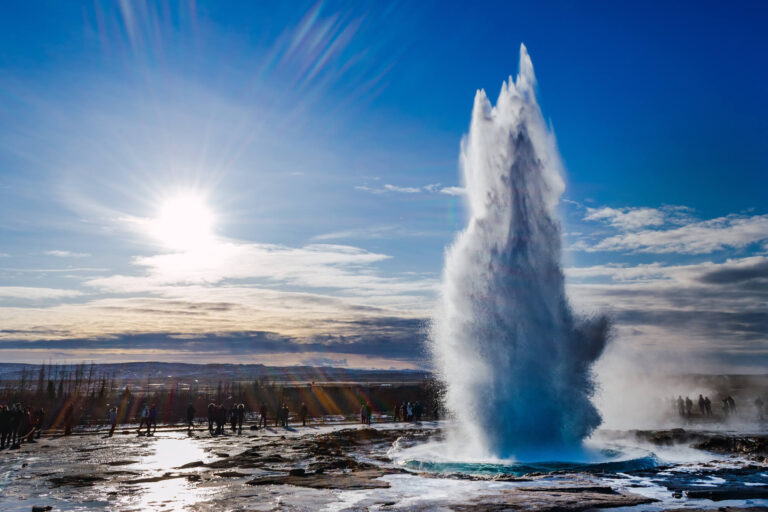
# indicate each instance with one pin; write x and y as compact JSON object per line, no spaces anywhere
{"x":183,"y":222}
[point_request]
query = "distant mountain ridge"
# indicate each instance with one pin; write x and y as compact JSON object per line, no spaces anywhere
{"x":137,"y":371}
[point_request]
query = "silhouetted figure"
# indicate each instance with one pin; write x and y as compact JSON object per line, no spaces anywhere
{"x":688,"y":406}
{"x":680,"y":406}
{"x":69,"y":419}
{"x":396,"y":413}
{"x":731,"y":404}
{"x":263,"y":416}
{"x":240,"y":417}
{"x":760,"y":410}
{"x":152,"y":424}
{"x":418,"y":410}
{"x":284,"y":415}
{"x":408,"y":412}
{"x":144,"y":419}
{"x":726,"y":407}
{"x":5,"y":426}
{"x":221,"y":419}
{"x":211,"y":417}
{"x":702,"y":406}
{"x":303,"y":414}
{"x":190,"y":418}
{"x":39,"y":420}
{"x":708,"y":405}
{"x":112,"y":420}
{"x":233,"y":418}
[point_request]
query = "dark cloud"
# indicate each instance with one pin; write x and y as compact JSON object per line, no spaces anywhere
{"x":731,"y":275}
{"x":393,"y":338}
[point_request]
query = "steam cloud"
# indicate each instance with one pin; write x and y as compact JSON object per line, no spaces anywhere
{"x":515,"y":360}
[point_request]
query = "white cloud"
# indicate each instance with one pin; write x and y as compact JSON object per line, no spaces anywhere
{"x":453,"y":191}
{"x":343,"y":268}
{"x":627,"y":218}
{"x":34,"y":293}
{"x":402,"y":190}
{"x":67,"y":254}
{"x":432,"y":188}
{"x":701,"y":237}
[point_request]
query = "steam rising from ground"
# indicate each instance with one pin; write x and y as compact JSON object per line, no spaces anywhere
{"x":515,"y":361}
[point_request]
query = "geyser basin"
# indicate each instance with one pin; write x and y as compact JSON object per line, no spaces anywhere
{"x":515,"y":361}
{"x":437,"y":457}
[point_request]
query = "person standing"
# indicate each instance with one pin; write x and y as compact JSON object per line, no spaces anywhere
{"x":112,"y":420}
{"x":144,"y":419}
{"x":152,"y":423}
{"x":303,"y":414}
{"x":190,"y":418}
{"x":211,"y":416}
{"x":263,"y":416}
{"x":240,"y":417}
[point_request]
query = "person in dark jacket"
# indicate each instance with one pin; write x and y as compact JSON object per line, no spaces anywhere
{"x":211,"y":417}
{"x":190,"y":418}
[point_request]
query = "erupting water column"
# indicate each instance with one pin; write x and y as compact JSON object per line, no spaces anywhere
{"x":515,"y":361}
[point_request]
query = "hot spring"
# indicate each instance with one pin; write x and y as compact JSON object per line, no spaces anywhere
{"x":515,"y":361}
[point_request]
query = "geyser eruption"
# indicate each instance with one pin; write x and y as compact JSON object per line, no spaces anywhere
{"x":515,"y":361}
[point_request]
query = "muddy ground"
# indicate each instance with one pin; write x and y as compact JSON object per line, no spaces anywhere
{"x":347,"y":467}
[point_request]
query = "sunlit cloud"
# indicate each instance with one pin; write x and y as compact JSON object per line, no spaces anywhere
{"x":67,"y":254}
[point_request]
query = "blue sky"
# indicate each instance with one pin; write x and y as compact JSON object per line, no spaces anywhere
{"x":324,"y":140}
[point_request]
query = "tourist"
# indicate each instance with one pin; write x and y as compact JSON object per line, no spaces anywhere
{"x":5,"y":426}
{"x":190,"y":418}
{"x":688,"y":406}
{"x":680,"y":406}
{"x":408,"y":412}
{"x":39,"y":419}
{"x":396,"y":413}
{"x":144,"y":418}
{"x":284,"y":414}
{"x":152,"y":423}
{"x":112,"y":420}
{"x":211,"y":416}
{"x":726,"y":407}
{"x":221,"y":419}
{"x":303,"y":414}
{"x":708,"y":405}
{"x":233,"y":418}
{"x":240,"y":417}
{"x":262,"y":416}
{"x":702,"y":405}
{"x":417,"y":411}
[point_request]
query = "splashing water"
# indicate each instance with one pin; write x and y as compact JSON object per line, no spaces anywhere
{"x":515,"y":361}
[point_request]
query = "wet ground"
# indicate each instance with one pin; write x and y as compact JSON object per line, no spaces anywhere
{"x":349,"y":467}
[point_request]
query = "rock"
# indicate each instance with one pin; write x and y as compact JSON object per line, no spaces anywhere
{"x":551,"y":499}
{"x":730,"y":493}
{"x":76,"y":480}
{"x":42,"y":509}
{"x":297,"y":472}
{"x":367,"y":479}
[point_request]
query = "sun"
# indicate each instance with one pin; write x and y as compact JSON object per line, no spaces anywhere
{"x":183,"y":222}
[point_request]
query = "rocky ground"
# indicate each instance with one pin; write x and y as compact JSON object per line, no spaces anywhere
{"x":346,"y":467}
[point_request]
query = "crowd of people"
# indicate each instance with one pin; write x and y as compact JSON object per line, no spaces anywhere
{"x":219,"y":416}
{"x":407,"y":411}
{"x":685,"y":407}
{"x":19,"y":423}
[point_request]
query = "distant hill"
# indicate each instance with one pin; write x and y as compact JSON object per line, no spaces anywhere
{"x":159,"y":371}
